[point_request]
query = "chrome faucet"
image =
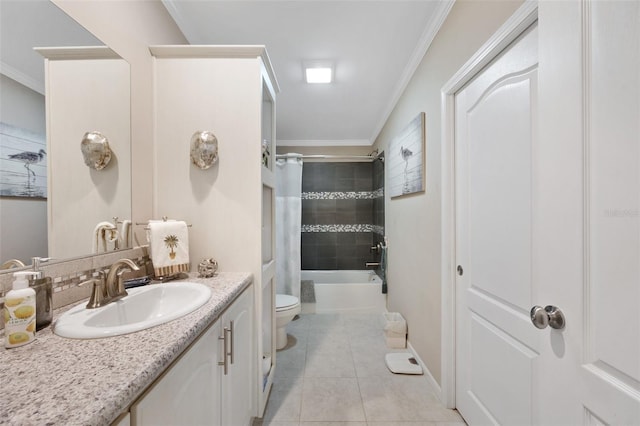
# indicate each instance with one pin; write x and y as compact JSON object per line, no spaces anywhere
{"x":109,"y":287}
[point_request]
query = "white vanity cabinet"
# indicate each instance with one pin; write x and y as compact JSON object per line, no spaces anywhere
{"x":198,"y":389}
{"x":237,"y":383}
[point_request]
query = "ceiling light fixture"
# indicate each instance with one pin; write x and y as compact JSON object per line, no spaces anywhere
{"x":318,"y":72}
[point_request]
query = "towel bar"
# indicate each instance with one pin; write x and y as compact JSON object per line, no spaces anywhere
{"x":164,"y":219}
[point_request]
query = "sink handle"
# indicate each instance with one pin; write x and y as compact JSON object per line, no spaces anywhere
{"x":97,"y":293}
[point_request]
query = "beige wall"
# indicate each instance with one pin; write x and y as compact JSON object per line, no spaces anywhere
{"x":81,"y":197}
{"x":222,"y":203}
{"x":129,"y":28}
{"x":413,"y":222}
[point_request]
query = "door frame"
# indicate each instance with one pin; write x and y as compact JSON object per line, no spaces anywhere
{"x":526,"y":15}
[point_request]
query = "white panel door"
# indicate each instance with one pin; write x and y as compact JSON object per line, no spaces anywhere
{"x":237,"y":387}
{"x":590,"y":126}
{"x":497,"y":346}
{"x":189,"y":392}
{"x":547,"y":212}
{"x":612,"y":350}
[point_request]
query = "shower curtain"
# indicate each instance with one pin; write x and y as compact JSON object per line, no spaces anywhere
{"x":288,"y":224}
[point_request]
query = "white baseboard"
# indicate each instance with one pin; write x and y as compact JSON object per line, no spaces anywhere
{"x":436,"y":387}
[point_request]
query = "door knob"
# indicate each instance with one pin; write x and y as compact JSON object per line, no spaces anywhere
{"x":547,"y":316}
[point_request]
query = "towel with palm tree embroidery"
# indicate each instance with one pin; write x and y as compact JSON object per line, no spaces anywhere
{"x":169,"y":242}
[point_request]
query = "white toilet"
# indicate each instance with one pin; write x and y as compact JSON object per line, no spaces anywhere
{"x":287,"y":307}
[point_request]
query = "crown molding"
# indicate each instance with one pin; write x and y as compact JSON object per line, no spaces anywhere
{"x":432,"y":28}
{"x":77,"y":52}
{"x":22,"y":78}
{"x":187,"y":30}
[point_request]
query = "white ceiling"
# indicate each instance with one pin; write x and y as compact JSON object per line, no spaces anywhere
{"x":375,"y":46}
{"x":25,"y":24}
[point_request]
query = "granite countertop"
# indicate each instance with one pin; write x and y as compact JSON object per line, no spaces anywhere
{"x":60,"y":381}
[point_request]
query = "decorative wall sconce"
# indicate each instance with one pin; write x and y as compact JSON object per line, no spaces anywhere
{"x":95,"y":150}
{"x":204,"y":149}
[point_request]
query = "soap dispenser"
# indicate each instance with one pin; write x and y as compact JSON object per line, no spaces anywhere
{"x":20,"y":312}
{"x":43,"y":287}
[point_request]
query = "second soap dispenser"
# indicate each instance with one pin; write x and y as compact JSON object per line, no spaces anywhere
{"x":43,"y":287}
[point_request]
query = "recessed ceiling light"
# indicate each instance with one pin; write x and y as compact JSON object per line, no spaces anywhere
{"x":318,"y":73}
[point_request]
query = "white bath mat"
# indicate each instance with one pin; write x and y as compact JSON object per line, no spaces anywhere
{"x":402,"y":363}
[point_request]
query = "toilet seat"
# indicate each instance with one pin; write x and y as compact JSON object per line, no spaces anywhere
{"x":285,"y":302}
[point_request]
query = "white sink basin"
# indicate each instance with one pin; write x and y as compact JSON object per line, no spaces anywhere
{"x":144,"y":307}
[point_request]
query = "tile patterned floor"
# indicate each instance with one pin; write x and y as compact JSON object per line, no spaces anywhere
{"x":332,"y":373}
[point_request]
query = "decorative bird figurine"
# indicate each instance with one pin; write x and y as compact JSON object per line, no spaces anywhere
{"x":28,"y":158}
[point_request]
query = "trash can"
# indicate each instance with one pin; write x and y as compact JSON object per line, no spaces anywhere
{"x":395,"y":330}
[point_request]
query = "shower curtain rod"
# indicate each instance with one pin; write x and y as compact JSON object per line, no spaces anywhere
{"x":322,"y":156}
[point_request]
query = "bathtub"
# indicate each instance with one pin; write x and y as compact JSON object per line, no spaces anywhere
{"x":346,"y":292}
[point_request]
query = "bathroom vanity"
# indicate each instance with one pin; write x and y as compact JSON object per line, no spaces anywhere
{"x":164,"y":372}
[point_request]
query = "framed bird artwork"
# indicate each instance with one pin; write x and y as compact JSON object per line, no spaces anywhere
{"x":23,"y":163}
{"x":406,"y":159}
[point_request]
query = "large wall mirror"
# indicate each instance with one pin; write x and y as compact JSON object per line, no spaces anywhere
{"x":51,"y":203}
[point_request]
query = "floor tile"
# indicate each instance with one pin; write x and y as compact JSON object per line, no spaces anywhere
{"x":327,"y":340}
{"x":325,"y":322}
{"x":300,"y":322}
{"x":418,"y":423}
{"x":275,"y":423}
{"x":285,"y":401}
{"x":402,"y":398}
{"x":329,"y":399}
{"x":291,"y":362}
{"x":370,"y":364}
{"x":373,"y":321}
{"x":333,"y":373}
{"x":336,"y":363}
{"x":370,"y":344}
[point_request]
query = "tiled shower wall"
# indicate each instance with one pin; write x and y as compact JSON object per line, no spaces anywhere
{"x":378,"y":202}
{"x":342,"y":214}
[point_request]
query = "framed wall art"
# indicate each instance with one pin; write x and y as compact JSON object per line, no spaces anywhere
{"x":406,"y":159}
{"x":23,"y":163}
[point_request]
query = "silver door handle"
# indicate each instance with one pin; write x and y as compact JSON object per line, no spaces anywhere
{"x":548,"y":316}
{"x":231,"y":333}
{"x":225,"y":350}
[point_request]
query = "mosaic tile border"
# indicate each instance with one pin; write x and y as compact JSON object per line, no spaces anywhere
{"x":378,"y":193}
{"x":343,"y":195}
{"x":69,"y":274}
{"x":343,"y":228}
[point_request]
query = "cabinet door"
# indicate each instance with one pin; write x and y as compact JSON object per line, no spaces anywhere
{"x":189,"y":393}
{"x":237,"y":386}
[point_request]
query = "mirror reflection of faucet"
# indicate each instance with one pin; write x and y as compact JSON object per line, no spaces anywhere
{"x":109,"y":236}
{"x":12,"y":263}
